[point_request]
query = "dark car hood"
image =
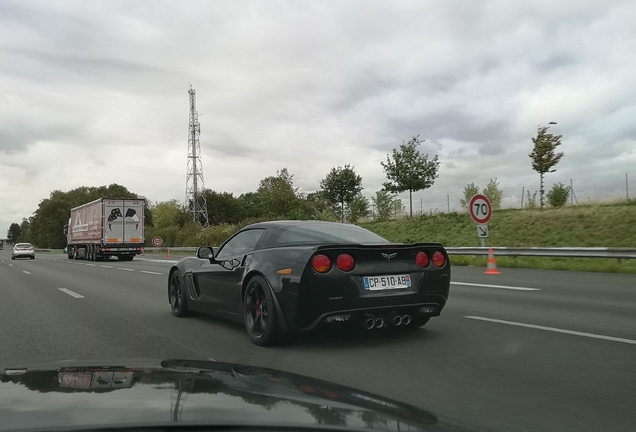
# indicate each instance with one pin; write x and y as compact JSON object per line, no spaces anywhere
{"x":79,"y":394}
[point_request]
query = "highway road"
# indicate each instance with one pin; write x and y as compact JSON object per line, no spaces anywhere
{"x":525,"y":350}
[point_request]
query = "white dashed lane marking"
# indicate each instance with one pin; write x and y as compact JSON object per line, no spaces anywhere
{"x":26,"y":272}
{"x":71,"y":293}
{"x":469,"y":284}
{"x":125,"y":269}
{"x":105,"y":266}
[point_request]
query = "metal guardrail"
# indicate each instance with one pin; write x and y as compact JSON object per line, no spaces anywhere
{"x":564,"y":252}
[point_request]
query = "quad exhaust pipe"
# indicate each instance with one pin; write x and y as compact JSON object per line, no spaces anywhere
{"x":395,"y":319}
{"x":370,"y":321}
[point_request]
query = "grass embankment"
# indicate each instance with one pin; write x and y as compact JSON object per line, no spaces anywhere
{"x":611,"y":225}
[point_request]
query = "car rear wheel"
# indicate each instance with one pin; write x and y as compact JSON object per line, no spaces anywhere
{"x":178,"y":300}
{"x":259,"y":313}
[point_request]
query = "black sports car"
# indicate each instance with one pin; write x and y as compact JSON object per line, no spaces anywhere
{"x":292,"y":276}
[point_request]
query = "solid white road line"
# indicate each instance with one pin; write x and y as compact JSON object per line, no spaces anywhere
{"x":26,"y":272}
{"x":92,"y":265}
{"x":105,"y":266}
{"x":149,"y":272}
{"x":71,"y":293}
{"x":156,"y":260}
{"x":495,"y":286}
{"x":126,"y":269}
{"x":556,"y":330}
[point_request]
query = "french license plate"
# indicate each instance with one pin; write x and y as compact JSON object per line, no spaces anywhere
{"x":375,"y":283}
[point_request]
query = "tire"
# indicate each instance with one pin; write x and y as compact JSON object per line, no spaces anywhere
{"x":417,"y":323}
{"x":259,"y":313}
{"x":12,"y":257}
{"x":32,"y":257}
{"x":177,"y":295}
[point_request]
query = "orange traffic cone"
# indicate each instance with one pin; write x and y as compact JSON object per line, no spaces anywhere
{"x":492,"y":265}
{"x":168,"y":256}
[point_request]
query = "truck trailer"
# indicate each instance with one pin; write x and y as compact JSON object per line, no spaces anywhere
{"x":106,"y":227}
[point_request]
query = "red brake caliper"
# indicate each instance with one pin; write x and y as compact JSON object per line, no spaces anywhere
{"x":258,"y":310}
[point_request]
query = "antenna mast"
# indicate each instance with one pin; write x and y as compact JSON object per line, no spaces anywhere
{"x":195,"y":196}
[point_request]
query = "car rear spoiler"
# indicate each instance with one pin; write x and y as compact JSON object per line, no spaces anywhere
{"x":378,"y":246}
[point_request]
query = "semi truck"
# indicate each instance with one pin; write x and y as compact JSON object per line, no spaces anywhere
{"x":106,"y":227}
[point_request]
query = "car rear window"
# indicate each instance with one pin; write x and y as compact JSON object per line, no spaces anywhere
{"x":319,"y":234}
{"x":23,"y":246}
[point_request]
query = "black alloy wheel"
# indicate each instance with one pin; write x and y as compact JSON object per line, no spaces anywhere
{"x":259,"y":313}
{"x":178,"y":300}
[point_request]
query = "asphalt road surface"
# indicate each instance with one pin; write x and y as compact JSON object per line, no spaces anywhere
{"x":536,"y":350}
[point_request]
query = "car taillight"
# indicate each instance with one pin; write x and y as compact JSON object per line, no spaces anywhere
{"x":345,"y":262}
{"x":421,"y":259}
{"x":438,"y":259}
{"x":321,"y":263}
{"x":31,"y":248}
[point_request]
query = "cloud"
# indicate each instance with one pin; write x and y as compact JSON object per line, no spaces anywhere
{"x":93,"y":93}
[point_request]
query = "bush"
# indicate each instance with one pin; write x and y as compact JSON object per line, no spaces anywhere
{"x":558,"y":195}
{"x":215,"y":235}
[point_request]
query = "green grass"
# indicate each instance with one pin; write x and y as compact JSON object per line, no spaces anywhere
{"x":608,"y":225}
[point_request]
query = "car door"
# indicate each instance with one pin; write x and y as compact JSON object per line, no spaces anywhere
{"x":219,"y":282}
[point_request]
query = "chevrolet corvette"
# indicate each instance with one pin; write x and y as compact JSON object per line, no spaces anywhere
{"x":291,"y":276}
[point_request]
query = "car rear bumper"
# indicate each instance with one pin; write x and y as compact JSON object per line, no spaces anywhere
{"x":25,"y":254}
{"x":358,"y":317}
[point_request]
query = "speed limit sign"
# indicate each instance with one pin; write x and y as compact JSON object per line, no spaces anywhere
{"x":480,"y":209}
{"x":157,"y":241}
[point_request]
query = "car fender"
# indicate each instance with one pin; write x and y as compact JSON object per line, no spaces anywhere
{"x":282,"y":323}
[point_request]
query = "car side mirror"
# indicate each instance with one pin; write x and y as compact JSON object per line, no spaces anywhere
{"x":206,"y":253}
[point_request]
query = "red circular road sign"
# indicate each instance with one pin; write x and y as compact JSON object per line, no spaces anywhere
{"x":157,"y":241}
{"x":480,"y":209}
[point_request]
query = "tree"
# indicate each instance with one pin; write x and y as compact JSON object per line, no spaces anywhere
{"x":531,"y":202}
{"x":544,"y":156}
{"x":383,"y":201}
{"x":277,"y":196}
{"x":224,"y":207}
{"x":13,"y":233}
{"x":397,"y":208}
{"x":493,"y":193}
{"x":408,"y":170}
{"x":341,"y":186}
{"x":470,"y":191}
{"x":166,"y":213}
{"x":558,"y":195}
{"x":357,"y":209}
{"x":25,"y":231}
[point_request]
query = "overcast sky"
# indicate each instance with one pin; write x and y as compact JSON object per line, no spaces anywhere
{"x":93,"y":93}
